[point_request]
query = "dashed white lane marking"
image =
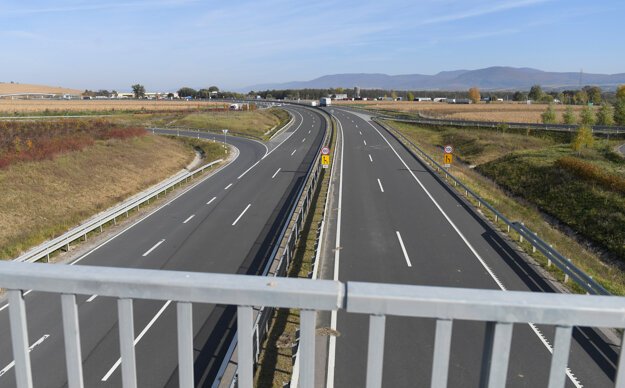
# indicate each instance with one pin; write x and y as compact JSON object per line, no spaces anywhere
{"x":276,"y":173}
{"x":209,"y":202}
{"x":241,"y":215}
{"x":227,"y":187}
{"x":303,"y":140}
{"x":309,"y":131}
{"x":569,"y":373}
{"x":30,"y":349}
{"x":92,"y":298}
{"x":154,"y":247}
{"x":403,"y":249}
{"x":364,"y":141}
{"x":360,"y":132}
{"x":292,"y":153}
{"x":188,"y":219}
{"x":370,"y":159}
{"x":380,"y":183}
{"x":145,"y":330}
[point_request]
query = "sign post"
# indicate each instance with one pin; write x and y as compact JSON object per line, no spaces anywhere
{"x":448,"y":157}
{"x":225,"y":131}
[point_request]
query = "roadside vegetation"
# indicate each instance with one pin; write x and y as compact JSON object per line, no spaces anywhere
{"x":576,"y":204}
{"x":258,"y":123}
{"x":44,"y":197}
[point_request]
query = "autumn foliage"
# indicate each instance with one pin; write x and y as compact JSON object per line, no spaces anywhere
{"x":592,"y":173}
{"x":37,"y":140}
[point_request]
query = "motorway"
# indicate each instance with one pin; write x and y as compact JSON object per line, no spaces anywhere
{"x":395,"y":222}
{"x":228,"y":223}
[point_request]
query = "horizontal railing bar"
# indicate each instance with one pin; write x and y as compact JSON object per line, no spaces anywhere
{"x":173,"y":285}
{"x":485,"y":305}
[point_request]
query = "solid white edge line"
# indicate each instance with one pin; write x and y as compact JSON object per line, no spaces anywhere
{"x":574,"y":380}
{"x":227,"y":187}
{"x":209,"y":202}
{"x":246,"y":171}
{"x":333,"y":317}
{"x":145,"y":330}
{"x":276,"y":173}
{"x":30,"y":349}
{"x":188,"y":219}
{"x":380,"y":183}
{"x":403,"y":249}
{"x":288,"y":137}
{"x":241,"y":215}
{"x":153,"y":248}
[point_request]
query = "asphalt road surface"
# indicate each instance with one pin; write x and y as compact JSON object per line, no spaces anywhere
{"x":399,"y":224}
{"x":226,"y":224}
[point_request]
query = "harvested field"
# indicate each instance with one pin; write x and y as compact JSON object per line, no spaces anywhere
{"x":27,"y":88}
{"x":496,"y":112}
{"x":63,"y":106}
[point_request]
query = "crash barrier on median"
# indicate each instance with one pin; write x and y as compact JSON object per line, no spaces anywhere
{"x":500,"y":310}
{"x":44,"y":250}
{"x":280,"y":258}
{"x":564,"y":264}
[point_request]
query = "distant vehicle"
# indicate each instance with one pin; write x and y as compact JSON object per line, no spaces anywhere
{"x":325,"y":101}
{"x":86,"y":97}
{"x":313,"y":103}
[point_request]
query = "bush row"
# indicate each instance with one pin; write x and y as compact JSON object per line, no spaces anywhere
{"x":592,"y":173}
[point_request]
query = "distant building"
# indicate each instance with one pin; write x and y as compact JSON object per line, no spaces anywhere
{"x":356,"y":92}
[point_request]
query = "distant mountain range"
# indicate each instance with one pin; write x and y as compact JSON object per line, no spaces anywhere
{"x":491,"y":78}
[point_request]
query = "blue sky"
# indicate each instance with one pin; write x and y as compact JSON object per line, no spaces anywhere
{"x":167,"y":44}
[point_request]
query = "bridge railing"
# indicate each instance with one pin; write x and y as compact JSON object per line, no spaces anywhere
{"x":499,"y":309}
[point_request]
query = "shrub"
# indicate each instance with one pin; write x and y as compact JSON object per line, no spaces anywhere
{"x":549,"y":115}
{"x":592,"y":173}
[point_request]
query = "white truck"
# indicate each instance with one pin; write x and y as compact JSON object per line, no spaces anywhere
{"x":313,"y":103}
{"x":326,"y":101}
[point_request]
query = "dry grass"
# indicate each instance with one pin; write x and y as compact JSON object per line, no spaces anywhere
{"x":43,"y":199}
{"x":34,"y":106}
{"x":26,"y":88}
{"x":496,"y":112}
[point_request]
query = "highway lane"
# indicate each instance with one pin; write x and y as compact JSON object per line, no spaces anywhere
{"x":227,"y":223}
{"x":392,"y":231}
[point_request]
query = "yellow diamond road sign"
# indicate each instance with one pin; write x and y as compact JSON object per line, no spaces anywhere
{"x":325,"y":160}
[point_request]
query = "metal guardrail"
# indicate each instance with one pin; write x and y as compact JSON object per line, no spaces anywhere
{"x":601,"y":129}
{"x":282,"y":254}
{"x":564,"y":264}
{"x":500,"y":311}
{"x":44,"y":250}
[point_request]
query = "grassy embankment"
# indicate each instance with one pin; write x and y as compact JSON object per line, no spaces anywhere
{"x":260,"y":123}
{"x":275,"y":364}
{"x":531,"y":167}
{"x":42,"y":199}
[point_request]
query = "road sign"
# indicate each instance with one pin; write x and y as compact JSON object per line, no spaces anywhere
{"x":325,"y":161}
{"x":449,"y":149}
{"x":325,"y":150}
{"x":224,"y":131}
{"x":448,"y":159}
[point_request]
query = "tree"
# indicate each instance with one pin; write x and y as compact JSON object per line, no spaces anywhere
{"x":170,"y":95}
{"x":594,"y":94}
{"x":474,"y":94}
{"x":619,"y":112}
{"x":568,"y":117}
{"x":536,"y":92}
{"x":138,"y":90}
{"x":583,"y":139}
{"x":203,"y":93}
{"x":605,"y":116}
{"x":587,"y":117}
{"x":620,"y":92}
{"x":410,"y":97}
{"x":394,"y":96}
{"x":581,"y":97}
{"x":187,"y":92}
{"x":549,"y":115}
{"x":213,"y":89}
{"x":519,"y":96}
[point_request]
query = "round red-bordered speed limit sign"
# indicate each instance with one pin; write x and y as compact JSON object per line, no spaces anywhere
{"x":325,"y":150}
{"x":449,"y":149}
